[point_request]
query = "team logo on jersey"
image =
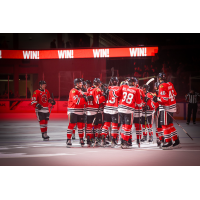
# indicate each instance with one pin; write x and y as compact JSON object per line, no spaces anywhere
{"x":44,"y":98}
{"x":34,"y":92}
{"x":73,"y":91}
{"x":98,"y":90}
{"x":161,"y":86}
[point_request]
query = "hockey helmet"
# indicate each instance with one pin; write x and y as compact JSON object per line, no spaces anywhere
{"x":96,"y":81}
{"x":77,"y":80}
{"x":123,"y":83}
{"x":132,"y":80}
{"x":114,"y":80}
{"x":161,"y":76}
{"x":42,"y":82}
{"x":147,"y":87}
{"x":84,"y":83}
{"x":88,"y":82}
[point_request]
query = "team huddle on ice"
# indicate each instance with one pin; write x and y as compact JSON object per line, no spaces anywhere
{"x":99,"y":108}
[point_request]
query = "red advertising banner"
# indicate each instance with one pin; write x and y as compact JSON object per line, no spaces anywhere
{"x":79,"y":53}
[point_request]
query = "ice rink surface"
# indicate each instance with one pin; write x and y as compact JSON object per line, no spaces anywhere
{"x":21,"y":144}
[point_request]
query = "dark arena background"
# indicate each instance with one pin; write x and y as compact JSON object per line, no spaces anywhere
{"x":59,"y":58}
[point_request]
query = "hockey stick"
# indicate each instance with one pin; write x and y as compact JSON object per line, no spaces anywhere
{"x":51,"y":105}
{"x":112,"y":70}
{"x":139,"y":130}
{"x":180,"y":125}
{"x":95,"y":119}
{"x":149,"y":81}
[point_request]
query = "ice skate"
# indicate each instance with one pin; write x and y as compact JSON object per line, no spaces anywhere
{"x":158,"y":143}
{"x":45,"y":137}
{"x":82,"y":142}
{"x":150,"y":139}
{"x":73,"y":137}
{"x":144,"y":139}
{"x":122,"y":142}
{"x":113,"y":142}
{"x":176,"y":144}
{"x":69,"y":143}
{"x":107,"y":142}
{"x":138,"y":143}
{"x":96,"y":142}
{"x":103,"y":141}
{"x":89,"y":143}
{"x":125,"y":145}
{"x":167,"y":145}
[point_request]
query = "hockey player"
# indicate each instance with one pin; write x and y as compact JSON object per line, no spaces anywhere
{"x":147,"y":114}
{"x":94,"y":117}
{"x":75,"y":112}
{"x":40,"y":101}
{"x":110,"y":114}
{"x":167,"y":104}
{"x":138,"y":116}
{"x":130,"y":97}
{"x":84,"y":88}
{"x":89,"y":83}
{"x":125,"y":82}
{"x":159,"y":131}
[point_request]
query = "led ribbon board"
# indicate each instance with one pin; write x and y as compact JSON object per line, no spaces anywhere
{"x":79,"y":53}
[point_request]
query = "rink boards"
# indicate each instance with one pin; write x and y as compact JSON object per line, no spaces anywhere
{"x":14,"y":106}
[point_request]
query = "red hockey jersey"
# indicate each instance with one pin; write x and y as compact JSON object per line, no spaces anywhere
{"x":111,"y":105}
{"x":76,"y":102}
{"x":92,"y":106}
{"x":166,"y":97}
{"x":41,"y":97}
{"x":130,"y":98}
{"x":138,"y":110}
{"x":156,"y":104}
{"x":149,"y":104}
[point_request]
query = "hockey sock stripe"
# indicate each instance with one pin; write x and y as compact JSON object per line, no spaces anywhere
{"x":114,"y":135}
{"x":174,"y":135}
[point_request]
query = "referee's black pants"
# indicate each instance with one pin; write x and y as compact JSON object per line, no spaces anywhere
{"x":192,"y":106}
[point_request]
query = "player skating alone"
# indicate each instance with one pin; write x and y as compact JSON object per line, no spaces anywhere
{"x":40,"y":101}
{"x":75,"y":111}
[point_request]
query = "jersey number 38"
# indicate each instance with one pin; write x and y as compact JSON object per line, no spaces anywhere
{"x":127,"y":98}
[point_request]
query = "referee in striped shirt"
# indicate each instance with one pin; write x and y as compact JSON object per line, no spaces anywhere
{"x":192,"y":106}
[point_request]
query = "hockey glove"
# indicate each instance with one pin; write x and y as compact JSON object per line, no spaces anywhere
{"x":53,"y":102}
{"x":145,"y":108}
{"x":146,"y":99}
{"x":38,"y":106}
{"x":84,"y":89}
{"x":85,"y":97}
{"x":106,"y":92}
{"x":90,"y":98}
{"x":155,"y":99}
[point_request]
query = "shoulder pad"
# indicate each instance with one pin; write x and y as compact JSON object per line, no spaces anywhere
{"x":161,"y":85}
{"x":74,"y":90}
